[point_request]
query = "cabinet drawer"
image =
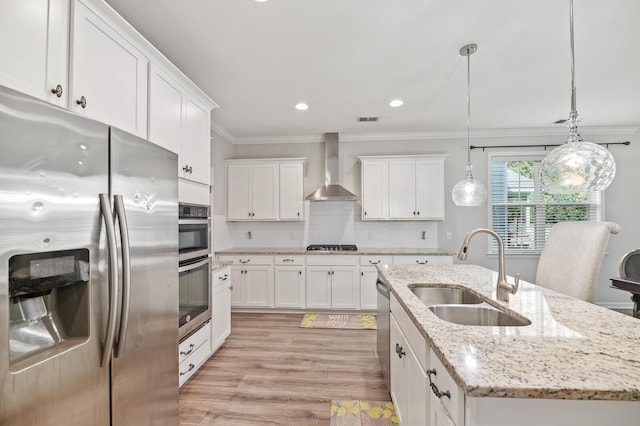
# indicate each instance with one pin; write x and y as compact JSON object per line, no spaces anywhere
{"x":423,"y":260}
{"x":415,"y":339}
{"x":189,"y":366}
{"x":289,"y":260}
{"x":332,"y":260}
{"x":191,"y":344}
{"x":247,"y":259}
{"x":221,"y":277}
{"x":445,"y":383}
{"x":376,"y":260}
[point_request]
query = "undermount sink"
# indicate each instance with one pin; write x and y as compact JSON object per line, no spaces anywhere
{"x":477,"y":315}
{"x":445,"y":295}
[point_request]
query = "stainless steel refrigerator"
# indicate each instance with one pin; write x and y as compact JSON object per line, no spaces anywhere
{"x":88,"y":271}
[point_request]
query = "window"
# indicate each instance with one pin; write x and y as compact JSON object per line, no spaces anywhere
{"x":522,"y":213}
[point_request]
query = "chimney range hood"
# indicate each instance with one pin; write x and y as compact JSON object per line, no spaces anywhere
{"x":331,"y":190}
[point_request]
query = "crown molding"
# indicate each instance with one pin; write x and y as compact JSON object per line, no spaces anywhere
{"x":440,"y":135}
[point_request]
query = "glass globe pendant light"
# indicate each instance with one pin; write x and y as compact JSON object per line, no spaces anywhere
{"x":576,"y":166}
{"x":469,"y":192}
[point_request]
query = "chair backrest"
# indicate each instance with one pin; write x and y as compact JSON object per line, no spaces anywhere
{"x":572,"y":256}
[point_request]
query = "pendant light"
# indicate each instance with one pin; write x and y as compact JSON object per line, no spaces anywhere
{"x":576,"y":166}
{"x":469,"y":192}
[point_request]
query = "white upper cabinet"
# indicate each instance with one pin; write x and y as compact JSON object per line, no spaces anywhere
{"x":108,"y":74}
{"x":292,"y":191}
{"x":35,"y":40}
{"x":180,"y":122}
{"x":403,"y":187}
{"x":265,"y":189}
{"x":375,"y":184}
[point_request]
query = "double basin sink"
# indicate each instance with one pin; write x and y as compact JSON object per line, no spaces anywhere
{"x":462,"y":306}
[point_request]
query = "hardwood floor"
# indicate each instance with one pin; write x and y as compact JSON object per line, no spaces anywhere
{"x":271,"y":372}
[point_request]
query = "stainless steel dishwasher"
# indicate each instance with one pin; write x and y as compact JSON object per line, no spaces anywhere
{"x":383,"y":336}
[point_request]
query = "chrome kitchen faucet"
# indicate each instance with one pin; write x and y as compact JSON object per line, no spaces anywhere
{"x":503,"y":288}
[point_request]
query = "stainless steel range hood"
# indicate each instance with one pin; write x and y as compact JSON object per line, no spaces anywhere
{"x":331,"y":190}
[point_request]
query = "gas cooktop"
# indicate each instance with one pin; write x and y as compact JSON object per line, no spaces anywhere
{"x":332,"y":247}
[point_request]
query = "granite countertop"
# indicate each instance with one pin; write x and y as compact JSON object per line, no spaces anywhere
{"x":361,"y":251}
{"x":218,"y":264}
{"x":571,"y":350}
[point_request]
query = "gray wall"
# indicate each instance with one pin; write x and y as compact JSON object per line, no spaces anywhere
{"x":621,"y":199}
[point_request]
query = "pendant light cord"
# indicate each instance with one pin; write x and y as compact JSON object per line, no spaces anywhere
{"x":573,"y":60}
{"x":468,"y":109}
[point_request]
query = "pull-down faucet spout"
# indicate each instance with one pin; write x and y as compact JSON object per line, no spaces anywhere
{"x":502,"y":287}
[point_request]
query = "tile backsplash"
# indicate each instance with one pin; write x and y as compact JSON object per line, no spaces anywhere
{"x":330,"y":222}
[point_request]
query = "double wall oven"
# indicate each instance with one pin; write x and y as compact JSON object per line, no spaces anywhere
{"x":194,"y":267}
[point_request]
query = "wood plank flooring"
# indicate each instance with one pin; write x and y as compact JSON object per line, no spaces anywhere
{"x":271,"y":372}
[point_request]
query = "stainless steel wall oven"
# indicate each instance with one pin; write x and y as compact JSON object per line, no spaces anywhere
{"x":194,"y":268}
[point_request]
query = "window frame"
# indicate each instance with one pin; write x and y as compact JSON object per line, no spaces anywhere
{"x":594,"y":202}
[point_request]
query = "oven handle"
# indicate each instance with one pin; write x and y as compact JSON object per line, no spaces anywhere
{"x":191,"y":221}
{"x":194,"y":265}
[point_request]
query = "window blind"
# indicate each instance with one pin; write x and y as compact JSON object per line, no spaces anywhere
{"x":522,"y":213}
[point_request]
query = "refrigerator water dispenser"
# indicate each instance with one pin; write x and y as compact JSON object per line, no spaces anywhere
{"x":48,"y":304}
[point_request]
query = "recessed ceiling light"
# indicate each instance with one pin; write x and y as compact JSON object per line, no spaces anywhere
{"x":396,"y":103}
{"x":302,"y":106}
{"x":261,"y":1}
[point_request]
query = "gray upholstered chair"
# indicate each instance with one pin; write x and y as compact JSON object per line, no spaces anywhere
{"x":572,"y":256}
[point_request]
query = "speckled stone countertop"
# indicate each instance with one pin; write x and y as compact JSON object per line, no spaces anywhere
{"x":361,"y":251}
{"x":571,"y":350}
{"x":216,"y":265}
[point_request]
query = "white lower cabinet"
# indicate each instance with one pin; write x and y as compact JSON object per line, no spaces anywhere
{"x":332,"y":282}
{"x":368,"y":279}
{"x":193,"y":352}
{"x":220,"y":307}
{"x":251,"y":281}
{"x":289,"y":282}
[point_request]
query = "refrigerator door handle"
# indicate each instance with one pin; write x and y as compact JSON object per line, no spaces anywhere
{"x":126,"y":274}
{"x":105,"y":209}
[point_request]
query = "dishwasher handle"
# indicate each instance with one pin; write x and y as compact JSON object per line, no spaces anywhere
{"x":382,"y":288}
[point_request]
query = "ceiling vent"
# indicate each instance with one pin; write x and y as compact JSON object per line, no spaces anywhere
{"x":368,"y":119}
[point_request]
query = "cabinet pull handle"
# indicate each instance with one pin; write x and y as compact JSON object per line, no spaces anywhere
{"x":82,"y":102}
{"x":422,"y":263}
{"x":400,"y":351}
{"x":298,"y":214}
{"x":434,"y":388}
{"x":57,"y":91}
{"x":374,"y":263}
{"x":362,"y":274}
{"x":328,"y":272}
{"x":223,"y":278}
{"x":414,"y":212}
{"x":191,"y":347}
{"x":333,"y":272}
{"x":191,"y":367}
{"x":418,"y":212}
{"x":245,"y":261}
{"x":300,"y":272}
{"x":365,"y":212}
{"x":287,"y":260}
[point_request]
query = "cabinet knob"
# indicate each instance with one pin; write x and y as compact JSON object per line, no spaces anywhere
{"x":82,"y":102}
{"x":300,"y":272}
{"x":365,"y":212}
{"x":58,"y":91}
{"x":298,"y":214}
{"x":418,"y":212}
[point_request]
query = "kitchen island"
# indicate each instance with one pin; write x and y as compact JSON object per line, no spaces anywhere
{"x":575,"y":363}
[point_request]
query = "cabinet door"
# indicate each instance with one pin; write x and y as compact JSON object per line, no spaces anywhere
{"x":397,"y":371}
{"x":237,"y":286}
{"x":108,"y":72}
{"x":368,"y":292}
{"x":165,"y":110}
{"x":291,"y":191}
{"x":417,"y":390}
{"x":221,"y":308}
{"x":375,"y":190}
{"x":289,"y":287}
{"x":318,"y":287}
{"x":430,"y":189}
{"x":238,"y":195}
{"x":264,"y":191}
{"x":34,"y":46}
{"x":438,"y":414}
{"x":345,"y":288}
{"x":259,"y":286}
{"x":195,"y":149}
{"x":402,"y":189}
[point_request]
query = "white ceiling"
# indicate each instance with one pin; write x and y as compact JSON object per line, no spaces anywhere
{"x":349,"y":58}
